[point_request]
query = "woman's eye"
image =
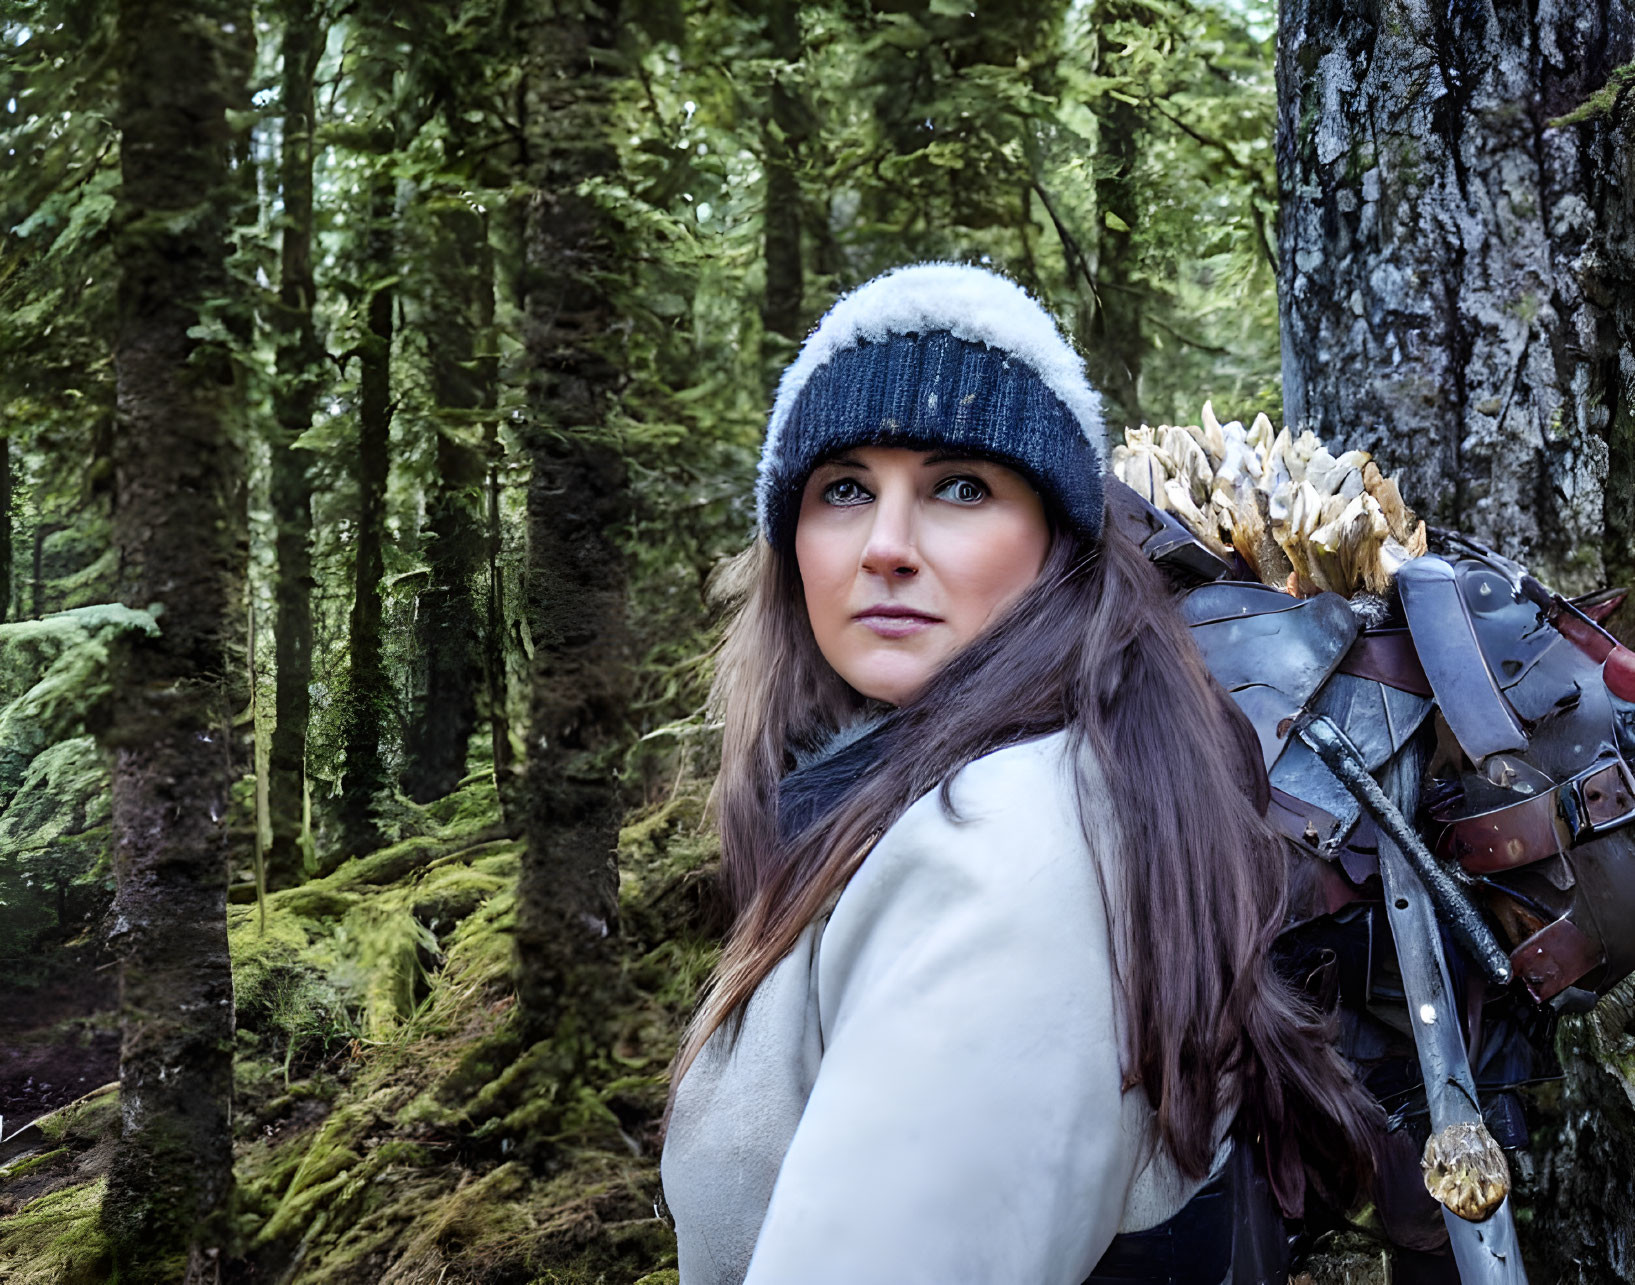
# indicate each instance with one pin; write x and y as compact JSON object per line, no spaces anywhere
{"x":845,"y":491}
{"x":962,"y":490}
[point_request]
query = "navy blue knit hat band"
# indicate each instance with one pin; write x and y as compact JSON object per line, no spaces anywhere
{"x":935,"y":391}
{"x":938,"y":356}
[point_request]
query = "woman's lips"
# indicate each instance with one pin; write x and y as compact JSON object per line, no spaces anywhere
{"x":889,"y":621}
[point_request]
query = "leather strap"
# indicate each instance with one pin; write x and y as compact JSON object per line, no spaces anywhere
{"x":1387,"y":656}
{"x":1599,"y":799}
{"x":1555,"y":957}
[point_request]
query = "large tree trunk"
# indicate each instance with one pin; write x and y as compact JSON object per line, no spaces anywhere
{"x":784,"y":136}
{"x":368,"y":693}
{"x":1454,"y":268}
{"x":496,"y":672}
{"x":5,"y":528}
{"x":299,"y":356}
{"x":576,"y":507}
{"x":1457,"y":288}
{"x":1114,"y":339}
{"x":444,"y":710}
{"x":167,"y":729}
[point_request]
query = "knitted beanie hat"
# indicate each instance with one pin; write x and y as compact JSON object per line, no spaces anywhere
{"x":931,"y":356}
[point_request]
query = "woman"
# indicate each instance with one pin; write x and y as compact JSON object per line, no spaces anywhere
{"x":996,"y":989}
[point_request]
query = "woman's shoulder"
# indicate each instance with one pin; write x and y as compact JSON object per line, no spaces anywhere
{"x":1038,"y":763}
{"x":1011,"y":840}
{"x":1024,"y":788}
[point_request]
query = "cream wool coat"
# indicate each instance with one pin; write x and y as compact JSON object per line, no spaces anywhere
{"x":927,"y":1088}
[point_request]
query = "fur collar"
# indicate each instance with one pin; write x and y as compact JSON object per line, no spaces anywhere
{"x":824,"y":772}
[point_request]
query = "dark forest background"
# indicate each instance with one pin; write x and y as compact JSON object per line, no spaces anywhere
{"x":380,"y":384}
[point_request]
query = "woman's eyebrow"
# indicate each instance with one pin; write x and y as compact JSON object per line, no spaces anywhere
{"x":841,"y":461}
{"x":953,"y":457}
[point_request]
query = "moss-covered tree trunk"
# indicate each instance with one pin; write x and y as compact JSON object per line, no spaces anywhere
{"x":496,"y":677}
{"x":1457,"y":290}
{"x":1114,"y":339}
{"x":5,"y":528}
{"x":368,"y":693}
{"x":784,"y":135}
{"x":448,"y":643}
{"x":299,"y":357}
{"x":176,"y":476}
{"x":1455,"y":266}
{"x":577,"y":504}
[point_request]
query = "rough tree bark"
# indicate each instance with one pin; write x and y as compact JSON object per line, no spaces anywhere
{"x":496,"y":678}
{"x":444,"y":709}
{"x":167,"y":727}
{"x":299,"y":356}
{"x":1457,"y":288}
{"x":496,"y":670}
{"x":784,"y":136}
{"x":368,"y":689}
{"x":577,"y":502}
{"x":5,"y":528}
{"x":1454,"y":266}
{"x":1114,"y":337}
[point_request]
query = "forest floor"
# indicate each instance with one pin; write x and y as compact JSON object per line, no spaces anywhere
{"x":390,"y":1124}
{"x":58,"y":1041}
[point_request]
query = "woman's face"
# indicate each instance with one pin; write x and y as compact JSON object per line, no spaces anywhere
{"x":906,"y":556}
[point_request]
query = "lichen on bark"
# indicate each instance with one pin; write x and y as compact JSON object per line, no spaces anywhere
{"x":1454,"y":263}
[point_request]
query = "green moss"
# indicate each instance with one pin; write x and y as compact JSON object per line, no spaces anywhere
{"x":449,"y":894}
{"x":93,"y":583}
{"x":389,"y":864}
{"x":56,"y":1239}
{"x":475,"y":805}
{"x":645,"y":835}
{"x":531,"y":1080}
{"x":329,"y":1161}
{"x":350,"y":955}
{"x":29,"y":648}
{"x":264,"y":1171}
{"x":312,"y":901}
{"x":30,"y":1163}
{"x":1600,"y":103}
{"x":1526,"y":305}
{"x":479,"y":950}
{"x":675,"y":971}
{"x":86,"y":1122}
{"x":414,"y":945}
{"x":1557,"y":424}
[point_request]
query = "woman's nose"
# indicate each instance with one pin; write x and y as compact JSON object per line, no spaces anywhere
{"x":892,"y":550}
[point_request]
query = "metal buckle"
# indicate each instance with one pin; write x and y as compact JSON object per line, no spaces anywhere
{"x":1602,"y":800}
{"x":1594,"y":803}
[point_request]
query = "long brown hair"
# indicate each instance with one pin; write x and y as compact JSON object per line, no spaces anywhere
{"x":1096,"y":646}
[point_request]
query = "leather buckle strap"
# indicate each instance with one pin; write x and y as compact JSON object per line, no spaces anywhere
{"x":1555,"y":957}
{"x":1387,"y":656}
{"x":1596,"y":801}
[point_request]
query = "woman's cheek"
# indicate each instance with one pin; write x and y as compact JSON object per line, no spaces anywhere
{"x":987,"y":566}
{"x":825,"y":574}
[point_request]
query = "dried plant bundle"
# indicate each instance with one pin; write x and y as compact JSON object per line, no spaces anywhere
{"x":1300,"y":517}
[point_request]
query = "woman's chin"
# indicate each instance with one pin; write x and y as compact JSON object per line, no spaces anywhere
{"x":896,"y":680}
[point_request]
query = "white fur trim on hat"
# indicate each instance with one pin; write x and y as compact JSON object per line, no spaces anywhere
{"x":971,"y":303}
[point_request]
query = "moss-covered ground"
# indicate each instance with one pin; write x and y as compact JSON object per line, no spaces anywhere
{"x":391,"y":1125}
